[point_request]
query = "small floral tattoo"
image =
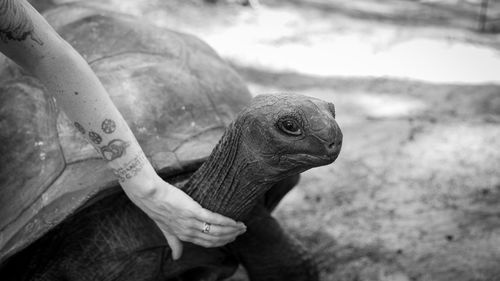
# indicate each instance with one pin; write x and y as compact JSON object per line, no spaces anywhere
{"x":108,"y":126}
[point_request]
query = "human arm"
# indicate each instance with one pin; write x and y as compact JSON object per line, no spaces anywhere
{"x":28,"y":39}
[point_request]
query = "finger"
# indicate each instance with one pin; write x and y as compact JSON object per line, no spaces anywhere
{"x":207,"y":216}
{"x":217,"y":230}
{"x":217,"y":240}
{"x":210,"y":242}
{"x":175,"y":245}
{"x":210,"y":239}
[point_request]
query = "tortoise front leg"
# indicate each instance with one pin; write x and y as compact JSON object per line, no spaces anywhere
{"x":266,"y":250}
{"x":269,"y":254}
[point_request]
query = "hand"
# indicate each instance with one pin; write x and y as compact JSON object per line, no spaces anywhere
{"x":178,"y":216}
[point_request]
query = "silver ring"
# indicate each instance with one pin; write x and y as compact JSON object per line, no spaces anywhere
{"x":206,"y":227}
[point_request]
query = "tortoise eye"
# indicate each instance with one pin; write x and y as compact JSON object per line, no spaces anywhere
{"x":290,"y":127}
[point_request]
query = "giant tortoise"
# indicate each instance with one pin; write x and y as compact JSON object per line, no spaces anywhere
{"x":62,"y":213}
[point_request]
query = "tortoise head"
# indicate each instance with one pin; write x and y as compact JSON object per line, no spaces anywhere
{"x":275,"y":137}
{"x":287,"y":134}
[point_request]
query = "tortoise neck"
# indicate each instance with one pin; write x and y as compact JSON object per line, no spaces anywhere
{"x":226,"y":183}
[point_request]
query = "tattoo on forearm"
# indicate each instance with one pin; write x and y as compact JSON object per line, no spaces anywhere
{"x":15,"y":23}
{"x":108,"y":126}
{"x":79,"y":127}
{"x":95,"y":137}
{"x":131,"y":168}
{"x":115,"y":149}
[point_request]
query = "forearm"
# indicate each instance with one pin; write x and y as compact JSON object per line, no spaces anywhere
{"x":83,"y":98}
{"x":28,"y":39}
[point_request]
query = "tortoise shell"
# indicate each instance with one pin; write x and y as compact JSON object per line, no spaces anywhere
{"x":174,"y":91}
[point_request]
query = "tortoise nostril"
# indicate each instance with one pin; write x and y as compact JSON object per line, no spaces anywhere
{"x":335,"y":143}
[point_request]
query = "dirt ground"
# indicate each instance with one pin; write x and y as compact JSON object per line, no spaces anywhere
{"x":415,"y":193}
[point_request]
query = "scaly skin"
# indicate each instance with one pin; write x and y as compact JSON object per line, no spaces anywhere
{"x":249,"y":171}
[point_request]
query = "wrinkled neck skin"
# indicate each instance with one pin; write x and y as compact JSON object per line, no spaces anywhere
{"x":232,"y":179}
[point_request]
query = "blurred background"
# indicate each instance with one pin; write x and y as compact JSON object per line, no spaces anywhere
{"x":415,"y":193}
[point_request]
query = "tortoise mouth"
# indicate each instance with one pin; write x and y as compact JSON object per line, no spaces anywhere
{"x":311,"y":161}
{"x":329,"y":158}
{"x":333,"y":155}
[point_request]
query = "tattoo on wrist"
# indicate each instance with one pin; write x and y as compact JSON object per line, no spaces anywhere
{"x":108,"y":126}
{"x":80,"y":128}
{"x":15,"y":23}
{"x":131,"y":168}
{"x":115,"y":149}
{"x":95,"y":137}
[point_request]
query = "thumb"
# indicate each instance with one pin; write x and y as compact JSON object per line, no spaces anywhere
{"x":175,"y":245}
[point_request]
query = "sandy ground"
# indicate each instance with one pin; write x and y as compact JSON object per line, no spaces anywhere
{"x":415,"y":194}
